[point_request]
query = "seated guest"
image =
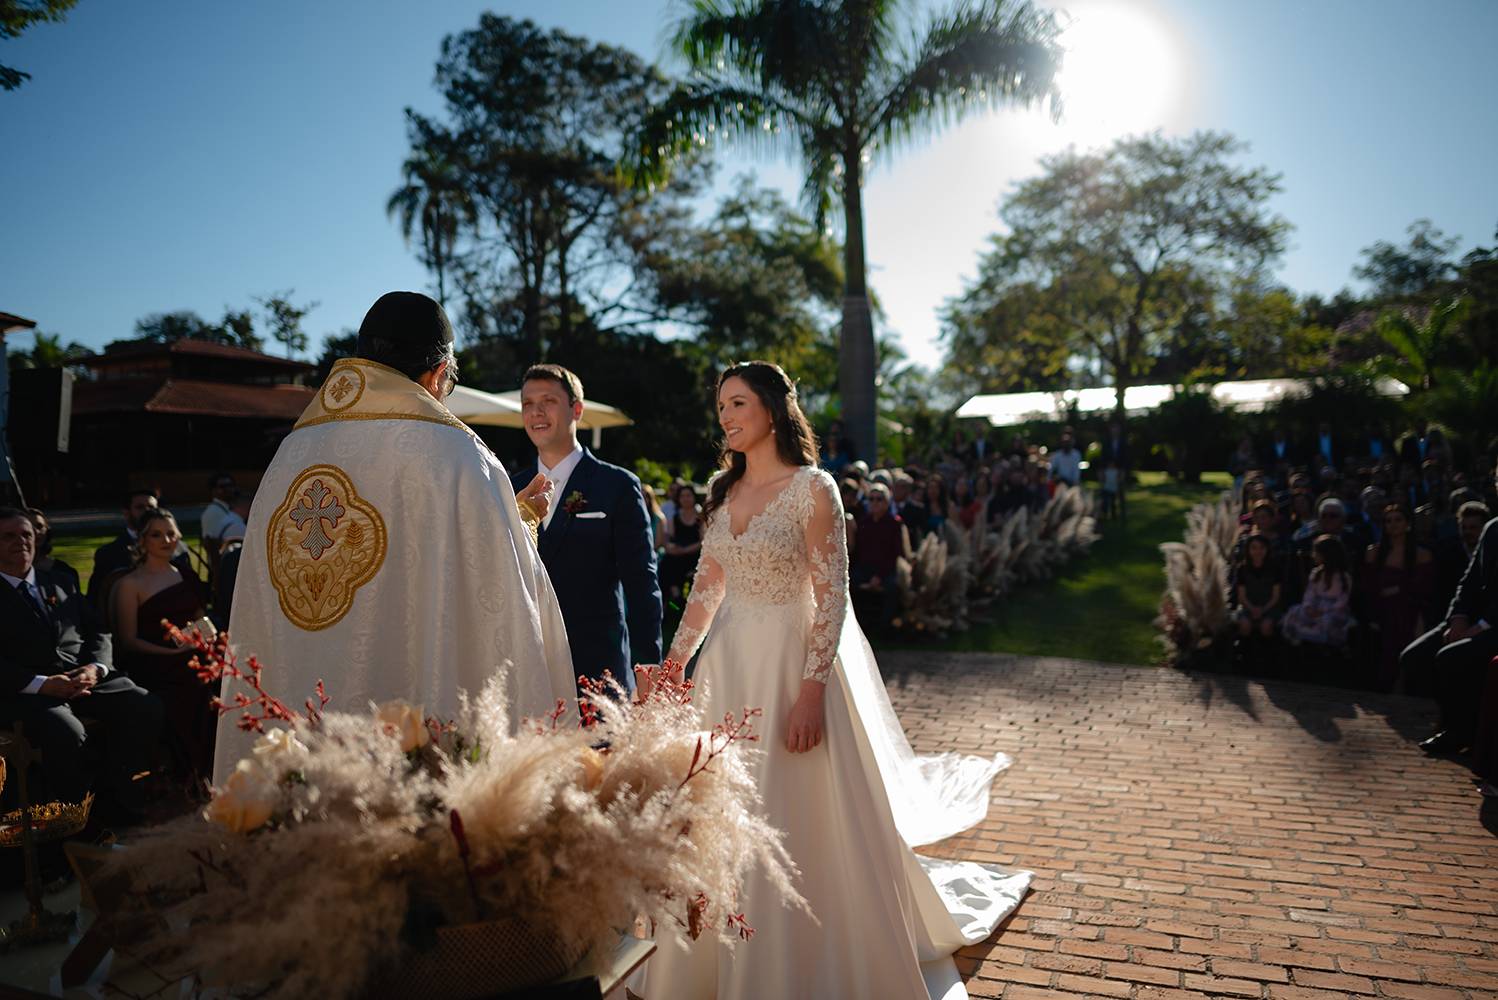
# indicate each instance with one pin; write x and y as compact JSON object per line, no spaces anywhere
{"x":1017,"y":495}
{"x":937,"y":505}
{"x":851,"y":509}
{"x":1265,"y":522}
{"x":55,"y":661}
{"x":1454,"y":554}
{"x":1456,"y":653}
{"x":982,"y":495}
{"x":962,"y":498}
{"x":1398,"y":580}
{"x":1302,"y":513}
{"x":881,"y":542}
{"x":1323,"y":612}
{"x":219,"y":520}
{"x":156,"y":590}
{"x":44,"y":558}
{"x":904,"y":503}
{"x":120,"y":553}
{"x":1242,"y":460}
{"x":1258,"y":586}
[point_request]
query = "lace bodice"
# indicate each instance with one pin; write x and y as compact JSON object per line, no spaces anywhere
{"x":793,"y":551}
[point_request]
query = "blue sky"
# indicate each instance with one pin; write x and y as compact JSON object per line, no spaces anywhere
{"x":179,"y":155}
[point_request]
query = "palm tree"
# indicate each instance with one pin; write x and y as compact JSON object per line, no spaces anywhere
{"x":834,"y":81}
{"x":434,"y":197}
{"x":1421,"y":349}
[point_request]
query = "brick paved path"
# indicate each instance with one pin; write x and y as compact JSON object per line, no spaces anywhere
{"x":1201,"y":835}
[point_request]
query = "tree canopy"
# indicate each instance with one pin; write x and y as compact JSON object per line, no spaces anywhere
{"x":837,"y":82}
{"x":18,"y":15}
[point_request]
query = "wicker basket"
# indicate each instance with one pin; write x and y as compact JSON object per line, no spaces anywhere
{"x":479,"y":960}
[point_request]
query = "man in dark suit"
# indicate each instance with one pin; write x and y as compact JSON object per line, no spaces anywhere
{"x":55,"y":662}
{"x":1456,"y":653}
{"x":595,"y":538}
{"x":1323,"y":451}
{"x":1375,"y":445}
{"x":1412,"y":446}
{"x":1116,"y":450}
{"x":1279,"y":455}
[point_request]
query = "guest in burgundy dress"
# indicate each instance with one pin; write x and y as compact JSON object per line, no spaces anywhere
{"x":153,"y":591}
{"x":1399,"y":579}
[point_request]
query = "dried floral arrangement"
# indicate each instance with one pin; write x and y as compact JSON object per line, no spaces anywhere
{"x":1194,"y":608}
{"x":956,"y":576}
{"x":345,"y":841}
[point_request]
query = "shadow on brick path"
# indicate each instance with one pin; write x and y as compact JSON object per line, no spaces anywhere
{"x":1202,"y":835}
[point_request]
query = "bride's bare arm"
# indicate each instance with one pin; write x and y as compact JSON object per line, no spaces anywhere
{"x":826,"y":547}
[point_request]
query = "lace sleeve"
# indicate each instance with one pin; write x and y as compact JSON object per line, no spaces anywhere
{"x":826,"y":547}
{"x":707,"y":593}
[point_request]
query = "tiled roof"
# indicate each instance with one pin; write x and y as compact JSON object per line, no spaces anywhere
{"x":192,"y":396}
{"x":194,"y":346}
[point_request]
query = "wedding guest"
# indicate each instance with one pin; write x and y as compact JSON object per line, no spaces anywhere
{"x":982,"y":495}
{"x":1279,"y":453}
{"x":45,"y":560}
{"x":1453,"y":555}
{"x":908,"y":506}
{"x":1258,"y":586}
{"x":1242,"y":460}
{"x":1322,"y":446}
{"x":117,"y":554}
{"x":852,"y":509}
{"x":1398,"y":580}
{"x":55,"y":658}
{"x":1414,"y":447}
{"x":219,"y":519}
{"x":683,"y":545}
{"x":1066,"y":461}
{"x":1111,"y":489}
{"x":668,"y":508}
{"x":1116,"y":449}
{"x":962,"y":497}
{"x":1323,"y":612}
{"x":881,"y":542}
{"x":938,"y":504}
{"x":835,"y":450}
{"x":154,"y":591}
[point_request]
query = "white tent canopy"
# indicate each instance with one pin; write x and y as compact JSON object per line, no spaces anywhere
{"x":1005,"y":409}
{"x":502,"y":409}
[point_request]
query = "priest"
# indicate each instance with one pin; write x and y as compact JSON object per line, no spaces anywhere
{"x":387,"y":553}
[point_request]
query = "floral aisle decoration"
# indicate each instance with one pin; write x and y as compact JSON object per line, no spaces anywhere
{"x":1194,"y":607}
{"x":345,"y":844}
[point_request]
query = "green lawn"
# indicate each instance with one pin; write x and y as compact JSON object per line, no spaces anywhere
{"x":1101,"y":606}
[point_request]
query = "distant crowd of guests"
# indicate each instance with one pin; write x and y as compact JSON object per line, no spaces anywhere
{"x":889,"y":510}
{"x":1381,"y":551}
{"x":74,"y":655}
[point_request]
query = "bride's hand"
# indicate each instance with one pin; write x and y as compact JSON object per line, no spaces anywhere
{"x":806,"y":719}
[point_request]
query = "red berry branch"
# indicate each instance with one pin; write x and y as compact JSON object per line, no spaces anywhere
{"x":216,"y":660}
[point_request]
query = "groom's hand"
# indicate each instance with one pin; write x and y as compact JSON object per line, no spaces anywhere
{"x":538,"y":493}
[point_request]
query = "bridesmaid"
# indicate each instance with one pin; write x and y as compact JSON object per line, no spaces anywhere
{"x":1398,"y":579}
{"x":153,"y":591}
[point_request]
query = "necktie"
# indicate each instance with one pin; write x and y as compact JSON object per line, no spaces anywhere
{"x":33,"y":602}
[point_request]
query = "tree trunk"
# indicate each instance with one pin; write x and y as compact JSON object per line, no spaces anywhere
{"x":857,"y":363}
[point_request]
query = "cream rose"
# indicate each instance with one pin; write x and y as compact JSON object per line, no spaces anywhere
{"x":273,"y":749}
{"x":246,"y":800}
{"x":406,"y":722}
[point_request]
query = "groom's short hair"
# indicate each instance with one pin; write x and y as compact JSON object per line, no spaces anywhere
{"x":560,"y":375}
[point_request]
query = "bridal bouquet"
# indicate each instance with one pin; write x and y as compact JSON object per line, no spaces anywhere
{"x":343,"y":845}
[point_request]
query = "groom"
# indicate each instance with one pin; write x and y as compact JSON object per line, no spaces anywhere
{"x":595,"y":539}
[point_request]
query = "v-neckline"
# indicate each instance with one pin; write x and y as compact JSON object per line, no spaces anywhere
{"x":728,"y":503}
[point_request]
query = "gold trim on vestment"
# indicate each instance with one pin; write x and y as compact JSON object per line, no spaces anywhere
{"x":322,"y":544}
{"x":385,"y":393}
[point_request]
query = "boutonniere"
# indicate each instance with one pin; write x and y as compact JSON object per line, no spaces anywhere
{"x":574,"y":503}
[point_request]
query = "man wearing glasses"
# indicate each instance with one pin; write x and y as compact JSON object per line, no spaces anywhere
{"x":387,"y":553}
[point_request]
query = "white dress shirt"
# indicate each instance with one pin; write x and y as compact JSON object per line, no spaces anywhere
{"x":14,"y":583}
{"x":558,"y":477}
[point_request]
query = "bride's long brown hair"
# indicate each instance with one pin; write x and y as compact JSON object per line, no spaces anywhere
{"x":794,"y":441}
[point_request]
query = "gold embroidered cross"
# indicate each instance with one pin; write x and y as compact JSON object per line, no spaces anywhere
{"x":341,"y":388}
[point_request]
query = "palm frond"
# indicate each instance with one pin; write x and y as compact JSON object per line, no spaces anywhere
{"x":976,"y":56}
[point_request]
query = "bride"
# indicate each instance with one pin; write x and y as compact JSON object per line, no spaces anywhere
{"x":835,"y":772}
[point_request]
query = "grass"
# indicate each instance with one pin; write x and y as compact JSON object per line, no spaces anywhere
{"x":1101,"y":607}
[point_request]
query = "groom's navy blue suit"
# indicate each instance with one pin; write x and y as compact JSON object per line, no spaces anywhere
{"x":601,"y":559}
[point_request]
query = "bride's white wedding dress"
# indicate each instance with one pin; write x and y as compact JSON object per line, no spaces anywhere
{"x":886,"y":920}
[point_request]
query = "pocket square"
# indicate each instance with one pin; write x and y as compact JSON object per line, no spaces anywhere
{"x":592,"y":513}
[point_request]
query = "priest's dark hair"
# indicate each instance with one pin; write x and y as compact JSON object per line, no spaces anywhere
{"x":795,"y":441}
{"x":411,"y":360}
{"x":407,"y":331}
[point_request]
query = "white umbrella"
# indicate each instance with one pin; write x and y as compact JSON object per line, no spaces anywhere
{"x":502,"y":409}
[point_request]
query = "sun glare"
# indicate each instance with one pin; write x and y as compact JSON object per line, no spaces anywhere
{"x":1124,"y":71}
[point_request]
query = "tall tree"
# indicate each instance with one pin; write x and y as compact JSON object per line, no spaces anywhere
{"x":1125,"y":243}
{"x":435,"y":200}
{"x":235,"y":329}
{"x":1413,"y":269}
{"x":835,"y":81}
{"x":285,"y":319}
{"x":536,"y":124}
{"x":18,"y":15}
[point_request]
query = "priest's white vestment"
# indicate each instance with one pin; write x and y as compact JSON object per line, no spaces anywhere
{"x":386,"y":556}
